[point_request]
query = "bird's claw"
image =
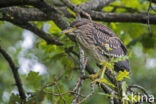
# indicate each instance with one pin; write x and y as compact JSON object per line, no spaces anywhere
{"x":94,"y":76}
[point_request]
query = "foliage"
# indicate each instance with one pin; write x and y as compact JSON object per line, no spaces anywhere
{"x":122,"y":75}
{"x":61,"y":72}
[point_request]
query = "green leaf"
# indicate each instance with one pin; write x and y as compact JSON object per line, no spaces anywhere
{"x":123,"y":58}
{"x":131,"y":3}
{"x":34,"y":79}
{"x":37,"y":98}
{"x":54,"y":29}
{"x":108,"y":8}
{"x":78,"y":1}
{"x":39,"y":24}
{"x":14,"y":99}
{"x":109,"y":65}
{"x":122,"y":75}
{"x":71,"y":12}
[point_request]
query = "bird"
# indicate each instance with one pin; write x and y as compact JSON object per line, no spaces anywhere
{"x":99,"y":42}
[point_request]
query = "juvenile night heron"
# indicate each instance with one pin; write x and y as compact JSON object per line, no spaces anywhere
{"x":99,"y":42}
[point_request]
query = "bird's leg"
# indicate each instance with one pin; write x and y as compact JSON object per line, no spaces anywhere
{"x":101,"y":79}
{"x":103,"y":71}
{"x":94,"y":76}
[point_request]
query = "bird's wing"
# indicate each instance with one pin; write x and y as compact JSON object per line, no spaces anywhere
{"x":110,"y":45}
{"x":107,"y":41}
{"x":104,"y":29}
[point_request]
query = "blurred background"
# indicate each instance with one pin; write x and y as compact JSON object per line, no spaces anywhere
{"x":41,"y":64}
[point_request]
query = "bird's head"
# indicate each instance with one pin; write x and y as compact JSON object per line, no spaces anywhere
{"x":75,"y":25}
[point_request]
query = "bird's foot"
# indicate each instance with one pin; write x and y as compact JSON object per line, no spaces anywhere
{"x":100,"y":80}
{"x":103,"y":72}
{"x":104,"y":81}
{"x":95,"y":76}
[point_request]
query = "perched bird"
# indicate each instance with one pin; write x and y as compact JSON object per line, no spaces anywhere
{"x":99,"y":42}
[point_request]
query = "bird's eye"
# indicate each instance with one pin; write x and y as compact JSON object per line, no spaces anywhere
{"x":76,"y":26}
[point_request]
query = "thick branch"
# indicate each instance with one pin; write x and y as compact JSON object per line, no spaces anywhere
{"x":47,"y":37}
{"x":8,"y":3}
{"x":95,"y":4}
{"x":53,"y":13}
{"x":122,"y":17}
{"x":15,"y":73}
{"x":89,"y":5}
{"x":32,"y":14}
{"x":50,"y":11}
{"x":27,"y":14}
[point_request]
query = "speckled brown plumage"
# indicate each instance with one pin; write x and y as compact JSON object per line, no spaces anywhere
{"x":100,"y":42}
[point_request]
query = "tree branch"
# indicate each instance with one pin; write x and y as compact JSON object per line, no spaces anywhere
{"x":142,"y":89}
{"x":32,"y":14}
{"x":47,"y":37}
{"x":95,"y":4}
{"x":50,"y":11}
{"x":82,"y":74}
{"x":45,"y":11}
{"x":15,"y":74}
{"x":122,"y":17}
{"x":90,"y":70}
{"x":53,"y":13}
{"x":129,"y":9}
{"x":8,"y":3}
{"x":27,"y":14}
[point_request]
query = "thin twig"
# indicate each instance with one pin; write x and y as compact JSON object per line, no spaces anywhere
{"x":82,"y":62}
{"x":139,"y":87}
{"x":61,"y":94}
{"x":90,"y":94}
{"x":89,"y":69}
{"x":76,"y":9}
{"x":76,"y":85}
{"x":49,"y":85}
{"x":82,"y":73}
{"x":50,"y":39}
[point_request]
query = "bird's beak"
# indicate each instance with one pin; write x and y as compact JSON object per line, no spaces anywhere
{"x":68,"y":30}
